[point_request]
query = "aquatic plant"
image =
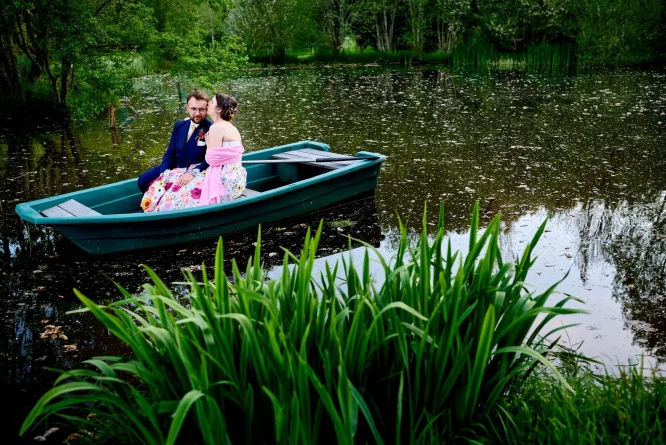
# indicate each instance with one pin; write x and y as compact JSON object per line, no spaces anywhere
{"x":341,"y":223}
{"x":417,"y":357}
{"x":625,"y":408}
{"x":473,"y":55}
{"x":542,"y":57}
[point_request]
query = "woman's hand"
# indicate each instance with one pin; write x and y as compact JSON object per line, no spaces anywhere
{"x":184,"y":179}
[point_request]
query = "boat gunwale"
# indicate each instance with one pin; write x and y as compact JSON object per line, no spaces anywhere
{"x":27,"y":212}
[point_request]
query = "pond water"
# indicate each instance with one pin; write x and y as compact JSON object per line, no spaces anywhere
{"x":587,"y":151}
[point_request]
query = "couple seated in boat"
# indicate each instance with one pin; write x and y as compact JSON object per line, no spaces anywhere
{"x":202,"y":164}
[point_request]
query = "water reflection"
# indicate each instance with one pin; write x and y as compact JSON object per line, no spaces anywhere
{"x":585,"y":151}
{"x":637,"y":248}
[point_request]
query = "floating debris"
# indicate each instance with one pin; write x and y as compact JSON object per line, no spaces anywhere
{"x":48,"y":432}
{"x":53,"y":332}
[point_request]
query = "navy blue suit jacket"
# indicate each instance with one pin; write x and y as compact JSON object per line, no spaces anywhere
{"x":183,"y":153}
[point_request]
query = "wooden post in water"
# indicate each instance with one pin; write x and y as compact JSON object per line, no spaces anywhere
{"x":112,"y":117}
{"x":181,"y":99}
{"x":115,"y":137}
{"x":180,"y":92}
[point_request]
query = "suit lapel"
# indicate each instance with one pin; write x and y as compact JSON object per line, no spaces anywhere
{"x":202,"y":126}
{"x":192,"y":143}
{"x":184,"y":131}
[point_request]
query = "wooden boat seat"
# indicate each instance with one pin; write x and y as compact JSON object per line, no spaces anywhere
{"x":248,"y":193}
{"x":309,"y":153}
{"x":69,"y":209}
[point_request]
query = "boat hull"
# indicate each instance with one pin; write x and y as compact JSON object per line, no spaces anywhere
{"x":108,"y":234}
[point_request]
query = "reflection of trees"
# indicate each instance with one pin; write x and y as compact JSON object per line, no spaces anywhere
{"x":385,"y":87}
{"x":639,"y":255}
{"x":37,"y":165}
{"x":632,"y":236}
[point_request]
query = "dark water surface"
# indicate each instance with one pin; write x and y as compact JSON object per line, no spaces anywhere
{"x":587,"y":151}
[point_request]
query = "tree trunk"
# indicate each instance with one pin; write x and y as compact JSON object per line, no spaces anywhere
{"x":338,"y":16}
{"x":10,"y":81}
{"x":384,"y":22}
{"x":112,"y":117}
{"x":447,"y":35}
{"x":453,"y":38}
{"x":54,"y":83}
{"x":64,"y":79}
{"x":392,"y":26}
{"x":417,"y":19}
{"x":115,"y":137}
{"x":380,"y":37}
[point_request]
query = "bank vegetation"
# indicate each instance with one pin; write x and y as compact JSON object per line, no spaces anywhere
{"x":82,"y":55}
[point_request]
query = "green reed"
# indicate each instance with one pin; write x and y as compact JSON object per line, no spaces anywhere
{"x":438,"y":342}
{"x":542,"y":57}
{"x":476,"y":55}
{"x":618,"y":409}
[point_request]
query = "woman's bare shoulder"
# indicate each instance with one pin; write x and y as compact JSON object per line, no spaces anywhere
{"x":217,"y":127}
{"x":234,"y":133}
{"x":226,"y":130}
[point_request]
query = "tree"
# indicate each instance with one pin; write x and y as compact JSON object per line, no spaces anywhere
{"x":383,"y":14}
{"x":338,"y":17}
{"x":57,"y":37}
{"x":306,"y":29}
{"x":514,"y":24}
{"x":417,"y":25}
{"x":264,"y":25}
{"x":46,"y":34}
{"x":503,"y":21}
{"x":449,"y":16}
{"x":618,"y":31}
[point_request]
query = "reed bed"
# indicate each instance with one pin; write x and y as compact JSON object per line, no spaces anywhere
{"x":420,"y":354}
{"x":542,"y":57}
{"x":402,"y":58}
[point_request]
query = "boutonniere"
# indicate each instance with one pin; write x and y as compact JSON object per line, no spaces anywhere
{"x":201,"y":136}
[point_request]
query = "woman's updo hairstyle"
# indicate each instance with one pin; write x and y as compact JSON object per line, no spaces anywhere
{"x":227,"y":106}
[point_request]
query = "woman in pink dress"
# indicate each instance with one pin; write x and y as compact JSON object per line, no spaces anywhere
{"x":222,"y":181}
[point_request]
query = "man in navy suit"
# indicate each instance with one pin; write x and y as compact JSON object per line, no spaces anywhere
{"x":187,"y":145}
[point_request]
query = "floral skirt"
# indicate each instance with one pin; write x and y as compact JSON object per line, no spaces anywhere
{"x":165,"y":194}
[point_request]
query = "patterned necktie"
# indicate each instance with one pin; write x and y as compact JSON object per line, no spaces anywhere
{"x":189,"y":133}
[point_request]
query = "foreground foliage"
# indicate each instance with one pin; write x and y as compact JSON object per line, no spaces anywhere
{"x":438,"y":343}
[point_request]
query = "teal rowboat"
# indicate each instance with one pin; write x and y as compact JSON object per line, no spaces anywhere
{"x":276,"y":191}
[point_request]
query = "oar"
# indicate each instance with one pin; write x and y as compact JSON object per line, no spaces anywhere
{"x":306,"y":160}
